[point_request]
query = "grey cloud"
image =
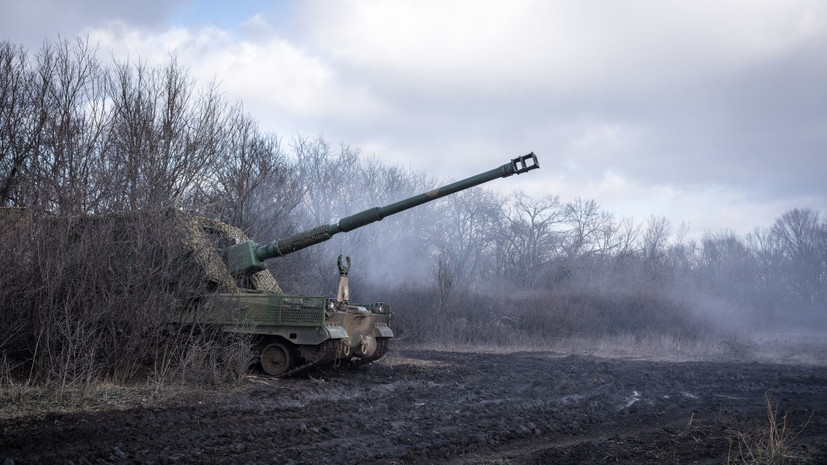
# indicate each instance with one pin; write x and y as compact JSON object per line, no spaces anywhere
{"x":758,"y":127}
{"x":30,"y":22}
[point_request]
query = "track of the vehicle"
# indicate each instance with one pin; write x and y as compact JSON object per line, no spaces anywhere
{"x":329,"y":357}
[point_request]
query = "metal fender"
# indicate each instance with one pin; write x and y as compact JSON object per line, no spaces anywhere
{"x":336,"y":331}
{"x":383,"y":329}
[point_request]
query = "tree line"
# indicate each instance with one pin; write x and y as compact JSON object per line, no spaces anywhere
{"x":83,"y":137}
{"x":488,"y":258}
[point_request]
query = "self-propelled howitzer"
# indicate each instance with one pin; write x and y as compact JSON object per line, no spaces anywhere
{"x":294,"y":333}
{"x":248,"y":257}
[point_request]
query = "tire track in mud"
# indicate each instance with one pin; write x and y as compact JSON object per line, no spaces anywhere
{"x":442,"y":407}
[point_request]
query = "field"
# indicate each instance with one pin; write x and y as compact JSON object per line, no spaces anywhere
{"x":460,"y":407}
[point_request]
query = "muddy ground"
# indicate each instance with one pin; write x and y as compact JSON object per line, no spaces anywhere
{"x":417,"y":407}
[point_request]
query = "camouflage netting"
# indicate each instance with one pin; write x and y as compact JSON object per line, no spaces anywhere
{"x":197,"y":241}
{"x":207,"y":236}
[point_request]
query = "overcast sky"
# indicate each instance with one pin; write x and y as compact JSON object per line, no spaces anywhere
{"x":712,"y":113}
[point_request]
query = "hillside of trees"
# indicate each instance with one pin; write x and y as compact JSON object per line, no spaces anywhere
{"x":84,"y":136}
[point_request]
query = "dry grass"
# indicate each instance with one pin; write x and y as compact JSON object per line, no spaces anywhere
{"x":771,"y":444}
{"x":655,"y":347}
{"x":38,"y":400}
{"x":201,"y":376}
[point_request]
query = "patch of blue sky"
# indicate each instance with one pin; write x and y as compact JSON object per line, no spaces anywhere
{"x":230,"y":15}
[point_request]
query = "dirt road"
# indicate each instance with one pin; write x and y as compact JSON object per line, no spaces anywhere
{"x":418,"y":407}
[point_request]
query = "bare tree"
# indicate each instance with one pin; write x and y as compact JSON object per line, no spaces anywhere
{"x":465,"y":234}
{"x":654,"y":246}
{"x":74,"y":105}
{"x":163,"y":140}
{"x":531,"y":237}
{"x":768,"y":255}
{"x":329,"y":189}
{"x":588,"y":229}
{"x":584,"y":219}
{"x":328,"y":177}
{"x":626,"y":235}
{"x":19,"y":121}
{"x":726,"y":266}
{"x":802,"y":240}
{"x":406,"y":234}
{"x":255,"y":186}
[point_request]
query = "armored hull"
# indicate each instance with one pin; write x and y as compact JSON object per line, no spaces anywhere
{"x":294,"y":333}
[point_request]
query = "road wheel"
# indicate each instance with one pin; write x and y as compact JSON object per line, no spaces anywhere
{"x":277,"y":359}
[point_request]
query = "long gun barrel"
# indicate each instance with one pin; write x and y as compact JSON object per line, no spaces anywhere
{"x":248,"y":257}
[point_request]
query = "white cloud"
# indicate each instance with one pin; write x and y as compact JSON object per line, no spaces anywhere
{"x":268,"y":73}
{"x":561,"y":46}
{"x":708,"y":208}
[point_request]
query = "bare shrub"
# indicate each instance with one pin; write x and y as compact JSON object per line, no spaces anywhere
{"x":206,"y":359}
{"x":538,"y":317}
{"x":14,"y":280}
{"x":13,"y":388}
{"x":120,"y":297}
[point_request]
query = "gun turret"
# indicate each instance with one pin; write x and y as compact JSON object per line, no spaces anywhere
{"x":248,"y":257}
